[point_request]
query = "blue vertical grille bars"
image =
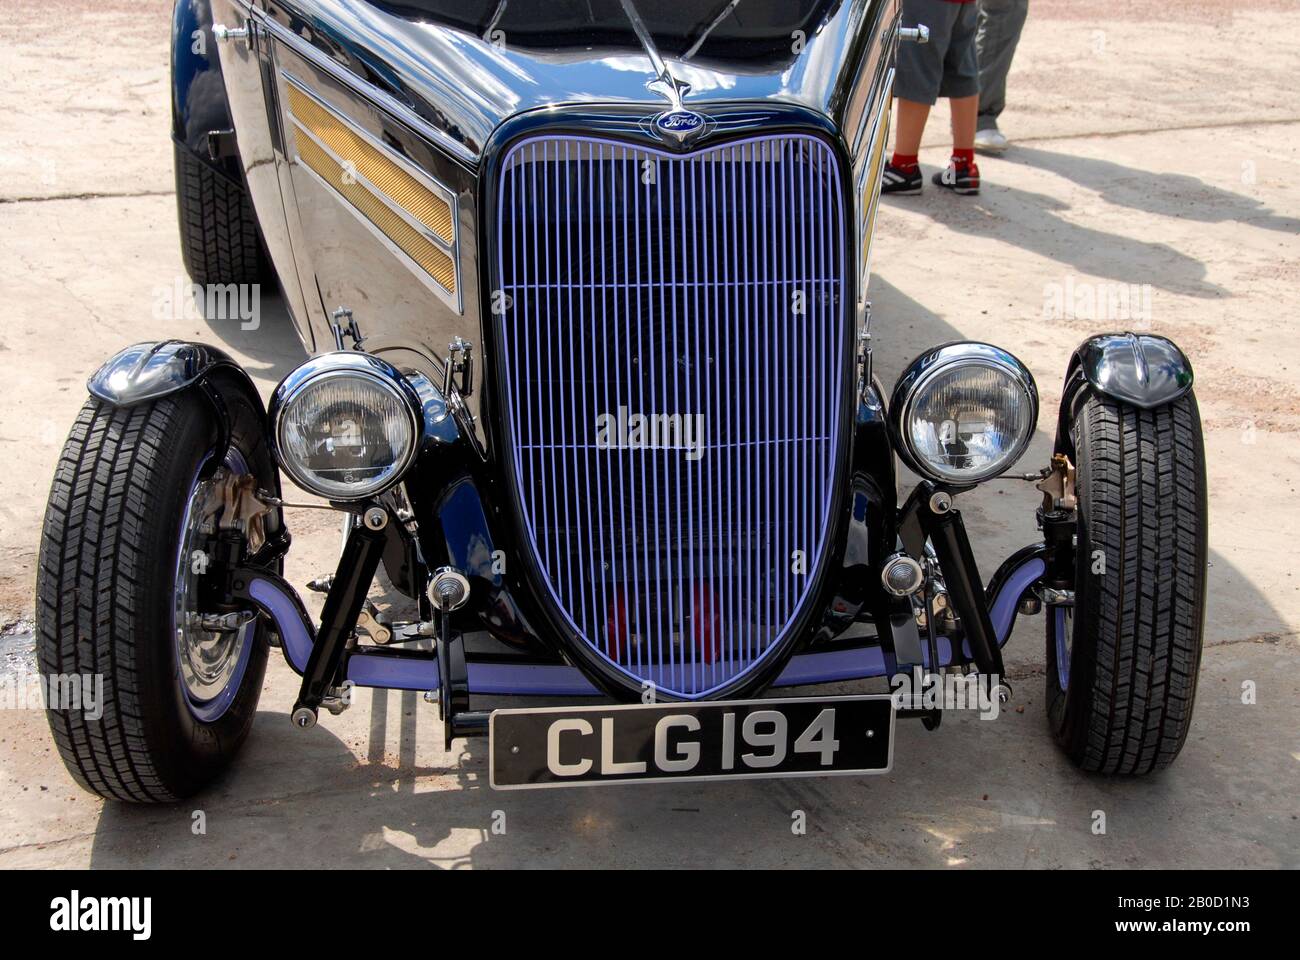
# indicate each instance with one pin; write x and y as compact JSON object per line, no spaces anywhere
{"x":673,"y":351}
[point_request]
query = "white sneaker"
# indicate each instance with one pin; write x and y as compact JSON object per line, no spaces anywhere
{"x":990,"y":141}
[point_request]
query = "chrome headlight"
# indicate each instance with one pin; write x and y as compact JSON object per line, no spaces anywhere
{"x":963,"y":412}
{"x":346,"y":425}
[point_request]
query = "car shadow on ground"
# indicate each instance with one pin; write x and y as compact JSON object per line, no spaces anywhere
{"x":263,"y":337}
{"x":973,"y":793}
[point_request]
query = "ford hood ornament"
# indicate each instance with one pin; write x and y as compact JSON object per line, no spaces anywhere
{"x":676,"y":124}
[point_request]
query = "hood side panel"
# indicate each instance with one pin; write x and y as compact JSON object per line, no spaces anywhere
{"x":465,"y":85}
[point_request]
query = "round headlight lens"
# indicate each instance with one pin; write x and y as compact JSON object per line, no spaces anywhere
{"x":345,"y":434}
{"x":968,"y":418}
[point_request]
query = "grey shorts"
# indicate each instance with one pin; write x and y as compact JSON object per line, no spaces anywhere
{"x":948,"y":65}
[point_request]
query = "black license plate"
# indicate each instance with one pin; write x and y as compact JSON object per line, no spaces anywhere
{"x":719,"y":740}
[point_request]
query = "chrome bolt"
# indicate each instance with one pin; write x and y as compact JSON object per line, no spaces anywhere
{"x":1030,"y":605}
{"x":223,"y":33}
{"x":1056,"y":597}
{"x":901,"y":575}
{"x":219,"y":622}
{"x":304,"y":718}
{"x":376,"y":518}
{"x":338,"y":699}
{"x":941,"y":502}
{"x":448,"y":589}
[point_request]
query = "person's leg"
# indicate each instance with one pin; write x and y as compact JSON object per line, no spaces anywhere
{"x":961,"y":86}
{"x":902,"y":174}
{"x":911,"y":127}
{"x":1000,"y":23}
{"x":965,"y":111}
{"x":919,"y":71}
{"x":918,"y":74}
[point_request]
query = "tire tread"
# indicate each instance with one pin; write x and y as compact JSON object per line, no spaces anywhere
{"x":87,"y":593}
{"x":1142,"y":486}
{"x":218,"y":227}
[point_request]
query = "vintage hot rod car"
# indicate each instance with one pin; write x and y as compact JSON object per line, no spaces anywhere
{"x":584,"y":285}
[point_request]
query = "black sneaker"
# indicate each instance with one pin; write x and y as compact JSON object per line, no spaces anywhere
{"x":897,"y":180}
{"x":964,"y":179}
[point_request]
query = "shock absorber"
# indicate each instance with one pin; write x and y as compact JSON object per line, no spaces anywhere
{"x":943,"y":525}
{"x":347,"y":594}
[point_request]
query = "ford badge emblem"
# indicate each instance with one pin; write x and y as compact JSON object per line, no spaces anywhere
{"x":681,"y":125}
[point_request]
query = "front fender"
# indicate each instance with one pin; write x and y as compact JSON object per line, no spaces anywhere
{"x":1141,"y":370}
{"x":199,"y":102}
{"x":148,"y":371}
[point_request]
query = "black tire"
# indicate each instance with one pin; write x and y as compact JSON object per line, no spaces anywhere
{"x":1139,"y":611}
{"x":105,"y":597}
{"x":219,"y":236}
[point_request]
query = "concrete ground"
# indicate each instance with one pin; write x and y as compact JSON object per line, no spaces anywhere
{"x":1149,"y":151}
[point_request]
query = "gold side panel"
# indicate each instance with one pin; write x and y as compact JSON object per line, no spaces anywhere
{"x":871,"y":184}
{"x":389,"y":178}
{"x":416,"y":246}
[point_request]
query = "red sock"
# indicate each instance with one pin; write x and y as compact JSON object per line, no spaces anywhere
{"x":905,"y":162}
{"x":963,"y":158}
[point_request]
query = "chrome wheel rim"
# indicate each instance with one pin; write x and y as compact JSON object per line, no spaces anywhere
{"x":210,"y":663}
{"x":1063,"y":618}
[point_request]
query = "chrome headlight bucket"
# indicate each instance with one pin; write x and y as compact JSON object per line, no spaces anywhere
{"x":345,"y":425}
{"x":963,"y":412}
